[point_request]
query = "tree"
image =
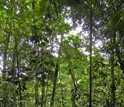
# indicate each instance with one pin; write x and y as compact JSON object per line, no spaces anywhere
{"x":44,"y":64}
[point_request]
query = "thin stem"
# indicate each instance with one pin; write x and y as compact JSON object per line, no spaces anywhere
{"x":90,"y":104}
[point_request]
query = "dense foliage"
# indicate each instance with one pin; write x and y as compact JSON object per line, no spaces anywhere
{"x":43,"y":63}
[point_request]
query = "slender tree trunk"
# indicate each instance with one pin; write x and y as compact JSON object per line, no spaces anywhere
{"x":14,"y":63}
{"x":90,"y":97}
{"x":56,"y":74}
{"x":35,"y":45}
{"x":75,"y":86}
{"x":20,"y":94}
{"x":113,"y":88}
{"x":54,"y":85}
{"x":43,"y":90}
{"x":18,"y":76}
{"x":36,"y":73}
{"x":13,"y":69}
{"x":72,"y":75}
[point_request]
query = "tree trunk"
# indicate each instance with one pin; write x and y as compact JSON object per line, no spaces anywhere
{"x":43,"y":91}
{"x":90,"y":97}
{"x":13,"y":69}
{"x":54,"y":85}
{"x":35,"y":45}
{"x":74,"y":90}
{"x":56,"y":74}
{"x":72,"y":75}
{"x":18,"y":76}
{"x":36,"y":78}
{"x":113,"y":88}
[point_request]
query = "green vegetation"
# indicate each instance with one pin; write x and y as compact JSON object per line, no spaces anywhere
{"x":42,"y":64}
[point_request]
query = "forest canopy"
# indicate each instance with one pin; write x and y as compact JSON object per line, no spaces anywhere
{"x":43,"y":63}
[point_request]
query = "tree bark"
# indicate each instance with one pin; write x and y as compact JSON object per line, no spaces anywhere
{"x":56,"y":73}
{"x":90,"y":97}
{"x":113,"y":88}
{"x":18,"y":76}
{"x":43,"y":91}
{"x":36,"y":78}
{"x":54,"y":85}
{"x":13,"y":69}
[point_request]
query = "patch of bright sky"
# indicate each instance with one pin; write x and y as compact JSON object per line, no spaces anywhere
{"x":78,"y":29}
